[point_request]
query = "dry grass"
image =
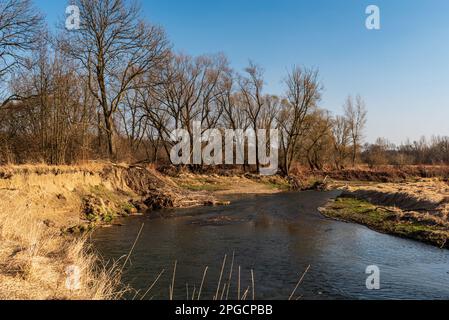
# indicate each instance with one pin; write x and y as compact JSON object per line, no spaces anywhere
{"x":34,"y":259}
{"x":392,"y":174}
{"x":93,"y":166}
{"x":37,"y":202}
{"x":434,"y":190}
{"x":224,"y":285}
{"x":236,"y":184}
{"x":426,"y":197}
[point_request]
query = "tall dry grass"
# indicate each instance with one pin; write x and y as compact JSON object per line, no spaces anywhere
{"x":226,"y":280}
{"x":35,"y":256}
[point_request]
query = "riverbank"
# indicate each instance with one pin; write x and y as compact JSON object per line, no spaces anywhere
{"x":46,"y":210}
{"x":228,"y":185}
{"x":415,"y":210}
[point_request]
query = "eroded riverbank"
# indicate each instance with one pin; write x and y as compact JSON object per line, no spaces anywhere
{"x":47,"y":210}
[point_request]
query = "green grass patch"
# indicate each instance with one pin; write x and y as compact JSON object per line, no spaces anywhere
{"x":278,"y":186}
{"x":276,"y":183}
{"x":382,"y":220}
{"x":203,"y":187}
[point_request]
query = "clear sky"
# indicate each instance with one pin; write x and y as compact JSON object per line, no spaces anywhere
{"x":402,"y":70}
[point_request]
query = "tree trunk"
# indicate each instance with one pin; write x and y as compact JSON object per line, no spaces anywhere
{"x":257,"y":149}
{"x":110,"y":134}
{"x":354,"y":155}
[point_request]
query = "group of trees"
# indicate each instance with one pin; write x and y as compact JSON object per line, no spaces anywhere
{"x":433,"y":151}
{"x":115,"y":89}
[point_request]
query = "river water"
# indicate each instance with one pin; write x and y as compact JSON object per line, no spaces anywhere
{"x":278,"y":237}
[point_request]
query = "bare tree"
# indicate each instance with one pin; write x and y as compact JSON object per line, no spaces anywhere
{"x":378,"y":154}
{"x":114,"y":46}
{"x":341,"y":140}
{"x":251,"y":87}
{"x":134,"y":122}
{"x":51,"y":121}
{"x":189,"y":90}
{"x":234,"y":116}
{"x":303,"y":94}
{"x":317,"y":140}
{"x":158,"y":121}
{"x":20,"y":28}
{"x":115,"y":82}
{"x":355,"y":114}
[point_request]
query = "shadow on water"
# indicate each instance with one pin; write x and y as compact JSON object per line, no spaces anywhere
{"x":277,"y":236}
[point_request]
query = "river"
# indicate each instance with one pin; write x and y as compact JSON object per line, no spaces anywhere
{"x":277,"y":236}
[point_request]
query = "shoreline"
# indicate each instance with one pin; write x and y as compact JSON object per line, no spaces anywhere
{"x":388,"y":220}
{"x":47,"y":210}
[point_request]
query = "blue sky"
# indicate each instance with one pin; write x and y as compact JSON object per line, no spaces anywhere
{"x":402,"y":70}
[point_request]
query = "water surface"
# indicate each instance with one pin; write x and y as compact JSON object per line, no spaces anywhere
{"x":277,"y":236}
